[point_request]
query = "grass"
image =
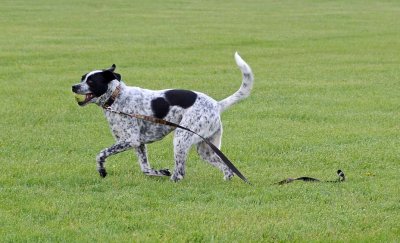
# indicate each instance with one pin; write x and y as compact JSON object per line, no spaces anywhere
{"x":326,"y":96}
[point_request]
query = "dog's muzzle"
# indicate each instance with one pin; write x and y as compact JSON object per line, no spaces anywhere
{"x":75,"y":88}
{"x":82,"y":99}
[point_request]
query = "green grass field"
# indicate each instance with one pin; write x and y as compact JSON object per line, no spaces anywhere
{"x":326,"y":97}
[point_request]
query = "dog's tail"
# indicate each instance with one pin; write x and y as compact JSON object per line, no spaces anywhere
{"x":245,"y":88}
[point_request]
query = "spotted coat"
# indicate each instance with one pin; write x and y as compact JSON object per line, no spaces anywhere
{"x":194,"y":110}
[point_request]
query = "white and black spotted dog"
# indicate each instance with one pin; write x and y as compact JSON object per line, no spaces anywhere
{"x":190,"y":109}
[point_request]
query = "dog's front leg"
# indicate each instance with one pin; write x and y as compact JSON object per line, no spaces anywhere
{"x":145,"y":165}
{"x":182,"y":143}
{"x":105,"y":153}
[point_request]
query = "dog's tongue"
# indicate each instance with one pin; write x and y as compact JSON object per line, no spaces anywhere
{"x":89,"y":97}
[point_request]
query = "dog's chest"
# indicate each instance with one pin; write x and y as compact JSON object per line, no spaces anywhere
{"x":136,"y":130}
{"x":137,"y":101}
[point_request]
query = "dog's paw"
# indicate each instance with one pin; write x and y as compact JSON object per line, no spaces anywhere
{"x":176,"y":177}
{"x":103,"y":172}
{"x":228,"y":177}
{"x":228,"y":174}
{"x":165,"y":172}
{"x":162,"y":172}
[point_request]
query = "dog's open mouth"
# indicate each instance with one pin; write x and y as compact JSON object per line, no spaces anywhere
{"x":83,"y":99}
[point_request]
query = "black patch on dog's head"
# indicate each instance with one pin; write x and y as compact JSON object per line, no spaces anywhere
{"x":182,"y":98}
{"x":98,"y":82}
{"x":160,"y":107}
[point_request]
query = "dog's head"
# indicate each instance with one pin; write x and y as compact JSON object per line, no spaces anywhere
{"x":94,"y":84}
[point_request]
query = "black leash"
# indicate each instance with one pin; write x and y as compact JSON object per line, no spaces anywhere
{"x":340,"y":174}
{"x":164,"y":122}
{"x":107,"y":106}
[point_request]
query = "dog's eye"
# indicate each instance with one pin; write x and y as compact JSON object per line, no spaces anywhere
{"x":89,"y":82}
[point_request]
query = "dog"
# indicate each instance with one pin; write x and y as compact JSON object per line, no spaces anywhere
{"x":194,"y":110}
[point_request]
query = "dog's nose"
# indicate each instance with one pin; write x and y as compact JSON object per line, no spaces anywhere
{"x":75,"y":88}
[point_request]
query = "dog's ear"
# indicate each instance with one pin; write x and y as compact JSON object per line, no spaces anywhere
{"x":117,"y":76}
{"x":112,"y":68}
{"x":110,"y":76}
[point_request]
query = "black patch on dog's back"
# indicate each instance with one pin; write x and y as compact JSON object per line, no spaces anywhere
{"x":160,"y":107}
{"x":182,"y":98}
{"x":174,"y":97}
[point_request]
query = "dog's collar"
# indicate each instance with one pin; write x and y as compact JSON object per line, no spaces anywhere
{"x":114,"y":95}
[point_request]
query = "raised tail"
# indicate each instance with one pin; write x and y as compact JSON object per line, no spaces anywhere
{"x":245,"y":88}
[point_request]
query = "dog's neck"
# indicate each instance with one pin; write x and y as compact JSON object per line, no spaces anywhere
{"x":114,"y":95}
{"x":107,"y":99}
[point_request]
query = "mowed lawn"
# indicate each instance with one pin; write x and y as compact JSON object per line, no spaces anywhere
{"x":326,"y":97}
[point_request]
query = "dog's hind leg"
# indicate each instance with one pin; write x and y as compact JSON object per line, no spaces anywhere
{"x":207,"y":154}
{"x":105,"y":153}
{"x":141,"y":152}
